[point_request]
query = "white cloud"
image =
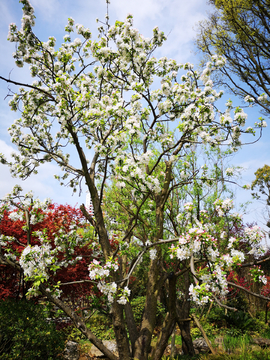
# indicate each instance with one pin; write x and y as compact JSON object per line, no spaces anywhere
{"x":142,"y":10}
{"x":43,"y":184}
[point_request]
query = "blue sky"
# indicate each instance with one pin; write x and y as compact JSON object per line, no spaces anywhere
{"x":177,"y":18}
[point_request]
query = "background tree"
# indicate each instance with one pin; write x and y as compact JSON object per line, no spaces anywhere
{"x":239,"y":30}
{"x":261,"y":188}
{"x":262,"y":183}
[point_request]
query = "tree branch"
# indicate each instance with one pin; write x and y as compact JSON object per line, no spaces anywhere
{"x":248,"y":291}
{"x":27,"y":85}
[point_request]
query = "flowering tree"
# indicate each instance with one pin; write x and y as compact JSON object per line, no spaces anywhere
{"x":99,"y":99}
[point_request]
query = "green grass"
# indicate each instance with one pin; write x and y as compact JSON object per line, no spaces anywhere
{"x":231,"y":343}
{"x":247,"y":355}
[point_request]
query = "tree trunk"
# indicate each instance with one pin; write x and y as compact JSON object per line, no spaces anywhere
{"x":173,"y":344}
{"x":183,"y":312}
{"x":132,"y":328}
{"x":169,"y":322}
{"x":187,"y":344}
{"x":142,"y":344}
{"x":120,"y":331}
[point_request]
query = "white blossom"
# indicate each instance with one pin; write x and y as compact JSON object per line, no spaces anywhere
{"x":153,"y":254}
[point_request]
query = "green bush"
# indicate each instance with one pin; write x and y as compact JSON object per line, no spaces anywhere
{"x":25,"y":333}
{"x":138,"y":304}
{"x":100,"y":325}
{"x":236,"y":322}
{"x":242,"y":321}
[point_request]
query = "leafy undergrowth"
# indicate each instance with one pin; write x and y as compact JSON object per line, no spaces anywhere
{"x":26,"y":334}
{"x":247,"y":355}
{"x":99,"y":324}
{"x":235,"y":330}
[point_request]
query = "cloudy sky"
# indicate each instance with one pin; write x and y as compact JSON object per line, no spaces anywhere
{"x":177,"y":18}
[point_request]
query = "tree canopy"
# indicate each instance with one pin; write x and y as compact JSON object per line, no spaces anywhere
{"x":262,"y":183}
{"x":261,"y":188}
{"x":239,"y":30}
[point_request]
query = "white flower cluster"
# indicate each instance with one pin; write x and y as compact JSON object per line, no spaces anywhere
{"x":20,"y":204}
{"x":232,"y":240}
{"x":193,"y":242}
{"x":97,"y":271}
{"x":229,"y":171}
{"x":263,"y":279}
{"x":197,"y":295}
{"x":109,"y":289}
{"x":153,"y":254}
{"x":188,"y":206}
{"x":4,"y":240}
{"x":253,"y":234}
{"x":16,"y":215}
{"x":36,"y":260}
{"x":10,"y":256}
{"x":223,"y":206}
{"x":249,"y":99}
{"x":237,"y":256}
{"x":258,"y":251}
{"x":124,"y":295}
{"x":254,"y":237}
{"x":133,"y":168}
{"x":262,"y":98}
{"x":197,"y":243}
{"x":217,"y":62}
{"x":213,"y":282}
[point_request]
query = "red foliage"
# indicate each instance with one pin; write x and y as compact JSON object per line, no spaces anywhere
{"x":60,"y":218}
{"x":10,"y":281}
{"x":266,"y":288}
{"x":236,"y":279}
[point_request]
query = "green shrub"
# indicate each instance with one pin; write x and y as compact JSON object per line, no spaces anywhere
{"x":100,"y":325}
{"x":25,"y":333}
{"x":242,"y":320}
{"x":137,"y":305}
{"x":266,"y":333}
{"x":236,"y":322}
{"x":216,"y":316}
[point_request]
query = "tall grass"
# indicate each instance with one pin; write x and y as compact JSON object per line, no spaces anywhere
{"x":247,"y":355}
{"x":231,"y":343}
